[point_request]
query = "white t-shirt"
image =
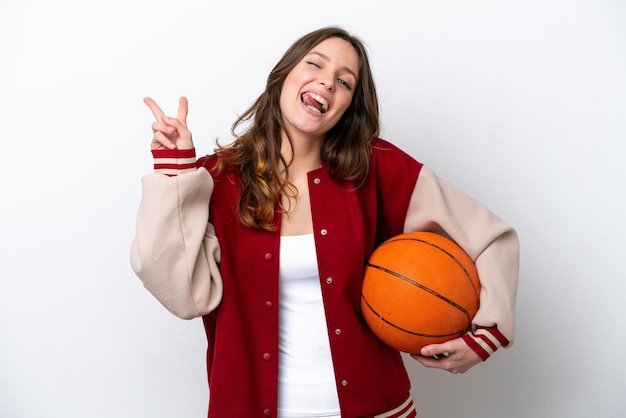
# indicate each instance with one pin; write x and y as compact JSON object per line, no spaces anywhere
{"x":306,"y":379}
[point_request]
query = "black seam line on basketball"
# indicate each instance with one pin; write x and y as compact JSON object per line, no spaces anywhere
{"x":408,"y":331}
{"x":447,"y":253}
{"x":424,"y":288}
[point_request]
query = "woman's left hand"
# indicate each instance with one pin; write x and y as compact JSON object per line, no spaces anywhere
{"x":454,"y":356}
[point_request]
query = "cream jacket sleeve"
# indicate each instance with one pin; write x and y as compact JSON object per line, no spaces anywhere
{"x":438,"y":206}
{"x":175,"y":251}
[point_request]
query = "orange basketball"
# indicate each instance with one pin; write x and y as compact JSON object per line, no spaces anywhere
{"x":419,"y":288}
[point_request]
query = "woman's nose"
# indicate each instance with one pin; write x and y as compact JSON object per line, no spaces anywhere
{"x":328,"y":84}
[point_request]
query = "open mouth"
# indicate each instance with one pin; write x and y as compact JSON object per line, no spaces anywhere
{"x":315,"y":102}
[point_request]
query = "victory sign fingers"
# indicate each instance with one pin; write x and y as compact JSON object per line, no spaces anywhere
{"x":170,"y":133}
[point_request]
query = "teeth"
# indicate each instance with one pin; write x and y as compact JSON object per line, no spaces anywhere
{"x":321,"y":101}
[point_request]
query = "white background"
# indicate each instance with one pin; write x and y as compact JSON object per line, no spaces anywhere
{"x":520,"y":103}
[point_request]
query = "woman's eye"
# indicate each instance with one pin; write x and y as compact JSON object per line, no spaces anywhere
{"x":345,"y":84}
{"x":313,"y":63}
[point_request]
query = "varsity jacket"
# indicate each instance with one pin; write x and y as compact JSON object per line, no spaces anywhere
{"x":198,"y":260}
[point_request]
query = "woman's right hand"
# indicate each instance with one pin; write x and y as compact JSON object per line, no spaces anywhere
{"x":170,"y":133}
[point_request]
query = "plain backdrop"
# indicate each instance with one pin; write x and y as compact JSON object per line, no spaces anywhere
{"x":520,"y":103}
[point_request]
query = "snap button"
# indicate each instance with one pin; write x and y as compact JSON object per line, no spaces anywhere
{"x":269,"y":305}
{"x":324,"y":231}
{"x":329,"y":280}
{"x":269,"y":257}
{"x":316,"y":180}
{"x":267,"y":356}
{"x":267,"y":412}
{"x":344,"y":383}
{"x":338,"y":331}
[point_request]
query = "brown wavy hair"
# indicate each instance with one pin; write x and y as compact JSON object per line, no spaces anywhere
{"x":255,"y":152}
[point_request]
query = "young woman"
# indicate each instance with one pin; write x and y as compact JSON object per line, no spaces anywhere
{"x":267,"y":240}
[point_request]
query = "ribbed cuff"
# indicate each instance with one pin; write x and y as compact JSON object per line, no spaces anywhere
{"x":174,"y":162}
{"x":485,"y":341}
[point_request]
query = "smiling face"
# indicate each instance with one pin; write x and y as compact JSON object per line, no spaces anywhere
{"x":319,"y":89}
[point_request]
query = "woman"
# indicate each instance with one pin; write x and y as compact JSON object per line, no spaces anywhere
{"x":267,"y":240}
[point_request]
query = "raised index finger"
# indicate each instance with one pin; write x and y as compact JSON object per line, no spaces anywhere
{"x":156,"y":110}
{"x":183,"y":107}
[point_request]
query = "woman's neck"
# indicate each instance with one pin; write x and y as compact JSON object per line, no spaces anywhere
{"x":304,"y":156}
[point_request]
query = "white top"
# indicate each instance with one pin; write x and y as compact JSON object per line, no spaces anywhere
{"x":306,"y":380}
